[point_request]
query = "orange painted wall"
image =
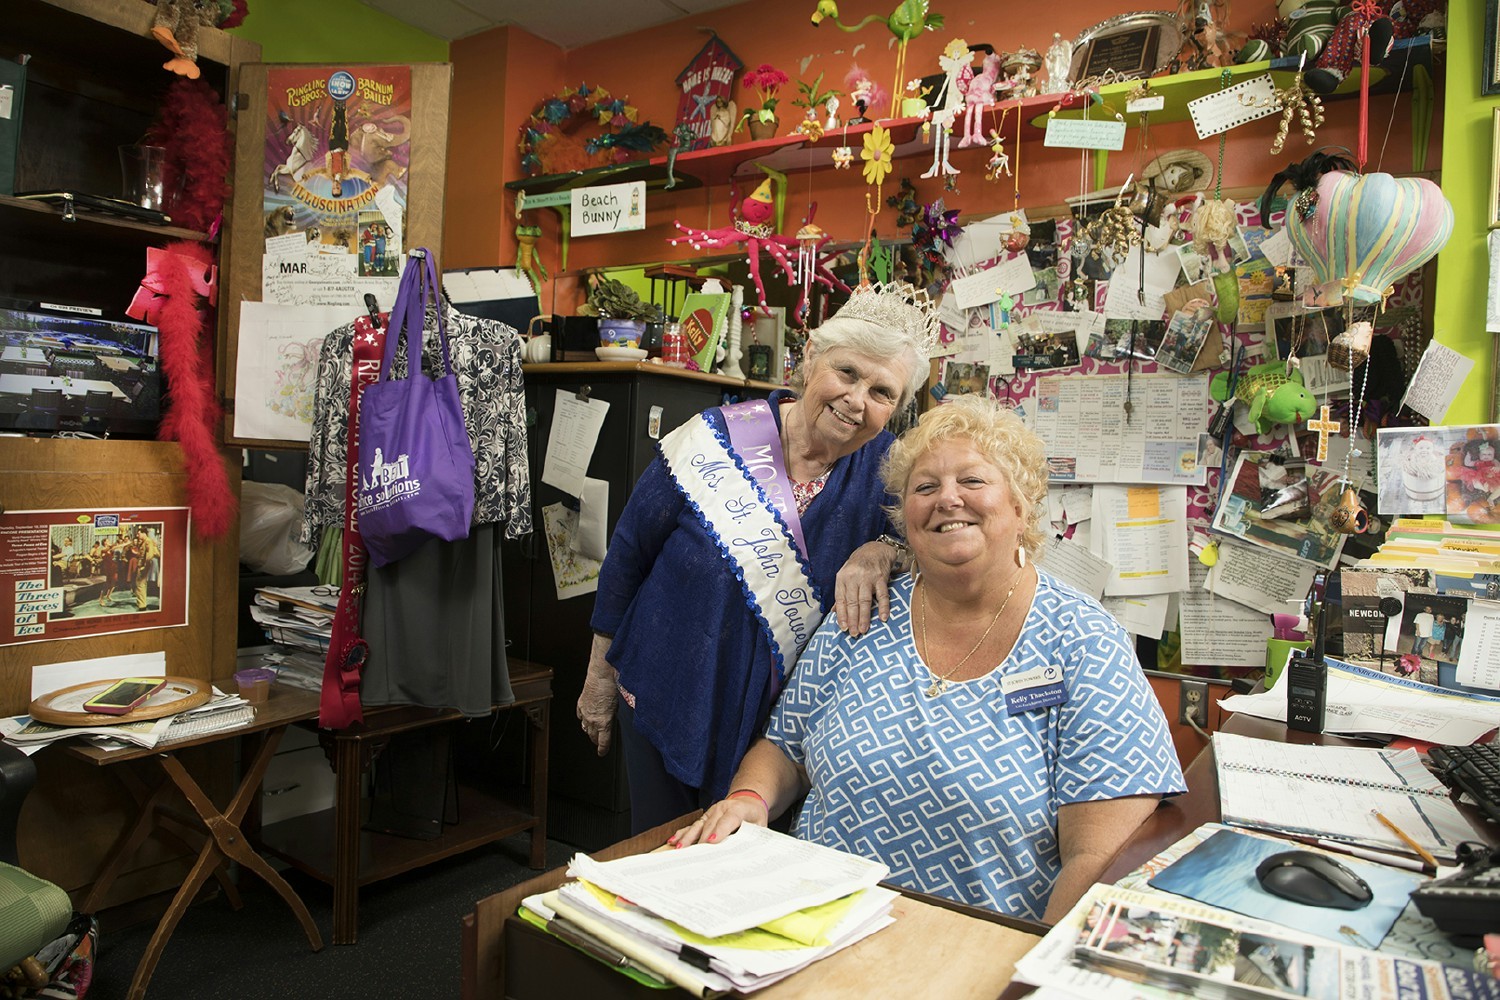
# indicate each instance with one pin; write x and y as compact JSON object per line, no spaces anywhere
{"x":498,"y":76}
{"x":643,"y":66}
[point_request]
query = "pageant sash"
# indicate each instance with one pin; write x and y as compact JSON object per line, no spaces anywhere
{"x":755,"y":438}
{"x":729,"y":498}
{"x":339,"y":703}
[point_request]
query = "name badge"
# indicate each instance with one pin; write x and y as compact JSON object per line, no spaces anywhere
{"x":1039,"y":687}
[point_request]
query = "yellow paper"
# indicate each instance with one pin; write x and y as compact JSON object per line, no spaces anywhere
{"x":804,"y":929}
{"x":1142,"y":501}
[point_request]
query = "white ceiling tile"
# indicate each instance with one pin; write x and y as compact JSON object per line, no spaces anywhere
{"x":701,"y":6}
{"x":446,"y":19}
{"x":568,"y":23}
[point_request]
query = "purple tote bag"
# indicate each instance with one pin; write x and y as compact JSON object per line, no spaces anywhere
{"x":416,"y":467}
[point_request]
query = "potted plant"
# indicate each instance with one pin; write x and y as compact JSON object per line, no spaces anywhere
{"x":622,"y":314}
{"x":813,"y":98}
{"x":767,"y":82}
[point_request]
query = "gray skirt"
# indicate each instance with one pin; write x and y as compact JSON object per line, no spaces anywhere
{"x":435,"y":622}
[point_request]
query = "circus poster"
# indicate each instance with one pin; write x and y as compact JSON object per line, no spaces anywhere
{"x":337,"y":152}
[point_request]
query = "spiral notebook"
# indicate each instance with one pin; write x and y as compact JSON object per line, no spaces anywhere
{"x":1334,"y":792}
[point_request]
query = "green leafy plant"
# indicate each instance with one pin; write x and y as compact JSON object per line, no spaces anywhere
{"x":810,"y":96}
{"x":613,"y":299}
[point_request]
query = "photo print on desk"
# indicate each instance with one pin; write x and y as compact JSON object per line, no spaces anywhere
{"x":1432,"y":630}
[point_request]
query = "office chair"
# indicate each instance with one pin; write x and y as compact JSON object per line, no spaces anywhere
{"x":97,"y":404}
{"x":45,"y":401}
{"x":33,"y":911}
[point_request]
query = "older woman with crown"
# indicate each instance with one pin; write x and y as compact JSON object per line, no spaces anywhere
{"x":993,"y":740}
{"x":754,"y":522}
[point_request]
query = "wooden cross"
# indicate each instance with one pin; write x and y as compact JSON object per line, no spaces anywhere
{"x":1324,"y":427}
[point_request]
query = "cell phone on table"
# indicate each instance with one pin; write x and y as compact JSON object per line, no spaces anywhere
{"x":124,"y":695}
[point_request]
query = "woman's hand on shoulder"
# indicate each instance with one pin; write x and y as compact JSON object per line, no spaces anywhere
{"x":862,"y":582}
{"x":722,"y":818}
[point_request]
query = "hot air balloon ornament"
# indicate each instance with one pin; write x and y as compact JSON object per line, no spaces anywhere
{"x":1367,"y":231}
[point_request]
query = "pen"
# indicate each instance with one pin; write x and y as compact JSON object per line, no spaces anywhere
{"x":1406,"y":839}
{"x":1412,"y":864}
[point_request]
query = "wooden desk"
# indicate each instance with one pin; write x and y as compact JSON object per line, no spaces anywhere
{"x":935,"y":948}
{"x":331,"y":846}
{"x":1177,"y":817}
{"x":225,"y":841}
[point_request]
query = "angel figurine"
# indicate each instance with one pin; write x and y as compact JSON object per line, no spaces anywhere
{"x":832,"y":106}
{"x":1059,"y":63}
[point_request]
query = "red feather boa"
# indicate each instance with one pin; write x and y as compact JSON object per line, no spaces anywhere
{"x":192,"y":126}
{"x":177,"y":277}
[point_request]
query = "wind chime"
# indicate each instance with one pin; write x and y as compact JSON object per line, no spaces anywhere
{"x":1365,"y":232}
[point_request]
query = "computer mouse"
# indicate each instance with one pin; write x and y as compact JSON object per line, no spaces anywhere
{"x":1313,"y":879}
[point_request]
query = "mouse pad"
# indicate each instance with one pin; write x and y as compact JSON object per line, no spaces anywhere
{"x":1221,"y":872}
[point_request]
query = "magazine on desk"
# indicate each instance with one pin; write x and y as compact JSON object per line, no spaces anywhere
{"x":1118,"y":943}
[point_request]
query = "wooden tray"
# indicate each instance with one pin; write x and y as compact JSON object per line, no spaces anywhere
{"x":42,"y":709}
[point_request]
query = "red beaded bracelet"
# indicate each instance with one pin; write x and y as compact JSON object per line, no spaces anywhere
{"x":748,"y":792}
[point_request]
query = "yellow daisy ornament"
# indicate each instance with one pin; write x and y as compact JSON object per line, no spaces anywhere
{"x":878,"y":153}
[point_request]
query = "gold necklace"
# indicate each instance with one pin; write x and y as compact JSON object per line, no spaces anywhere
{"x":941,"y":684}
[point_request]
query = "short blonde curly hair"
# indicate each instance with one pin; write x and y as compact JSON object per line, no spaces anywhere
{"x":994,"y":431}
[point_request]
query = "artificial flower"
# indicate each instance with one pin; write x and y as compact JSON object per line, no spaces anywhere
{"x":767,"y":81}
{"x":878,"y":153}
{"x":936,"y":225}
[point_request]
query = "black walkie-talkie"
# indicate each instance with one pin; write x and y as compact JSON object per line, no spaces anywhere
{"x":1306,"y":671}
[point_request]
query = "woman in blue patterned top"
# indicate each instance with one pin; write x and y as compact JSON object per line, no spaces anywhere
{"x":995,"y":741}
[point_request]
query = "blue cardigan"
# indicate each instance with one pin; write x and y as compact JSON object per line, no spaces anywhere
{"x":686,"y":646}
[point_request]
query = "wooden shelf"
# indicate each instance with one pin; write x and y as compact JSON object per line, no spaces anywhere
{"x":1180,"y":88}
{"x":105,"y":37}
{"x":1409,"y":61}
{"x":32,"y":219}
{"x":306,"y":842}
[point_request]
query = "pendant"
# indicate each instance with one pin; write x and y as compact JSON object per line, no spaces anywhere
{"x":936,"y":688}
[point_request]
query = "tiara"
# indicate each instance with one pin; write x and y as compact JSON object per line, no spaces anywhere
{"x":897,"y":305}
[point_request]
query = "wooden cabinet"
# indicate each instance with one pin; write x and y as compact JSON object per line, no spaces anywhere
{"x":589,"y":801}
{"x":94,"y":83}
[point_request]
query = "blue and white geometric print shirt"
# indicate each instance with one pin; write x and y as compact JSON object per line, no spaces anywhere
{"x":955,"y":794}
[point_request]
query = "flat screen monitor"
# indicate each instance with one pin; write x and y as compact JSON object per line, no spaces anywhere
{"x":62,"y":372}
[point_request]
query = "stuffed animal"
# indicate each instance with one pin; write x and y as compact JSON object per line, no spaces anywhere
{"x":176,"y":26}
{"x":1274,"y":395}
{"x":1342,"y":49}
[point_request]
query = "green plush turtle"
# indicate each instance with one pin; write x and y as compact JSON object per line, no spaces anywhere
{"x":1274,"y":395}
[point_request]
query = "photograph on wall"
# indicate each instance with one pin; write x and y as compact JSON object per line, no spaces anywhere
{"x":1282,"y":505}
{"x":962,"y":378}
{"x":337,"y":146}
{"x":1040,"y":351}
{"x":71,"y":573}
{"x":1440,"y":470}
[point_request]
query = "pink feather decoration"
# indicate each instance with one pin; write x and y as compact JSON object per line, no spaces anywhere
{"x":178,"y":276}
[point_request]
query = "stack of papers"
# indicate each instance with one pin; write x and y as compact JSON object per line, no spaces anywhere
{"x":739,"y":915}
{"x":1362,"y":701}
{"x":221,"y":711}
{"x":299,"y":617}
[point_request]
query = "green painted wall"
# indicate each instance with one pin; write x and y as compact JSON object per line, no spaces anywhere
{"x":1463,"y":266}
{"x":329,"y":31}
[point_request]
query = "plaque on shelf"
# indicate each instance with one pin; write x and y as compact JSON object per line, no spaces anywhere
{"x":1139,"y":44}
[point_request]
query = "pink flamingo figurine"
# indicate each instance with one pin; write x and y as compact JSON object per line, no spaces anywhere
{"x":981,"y":94}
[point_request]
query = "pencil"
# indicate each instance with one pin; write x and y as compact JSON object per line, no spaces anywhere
{"x":1421,"y":851}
